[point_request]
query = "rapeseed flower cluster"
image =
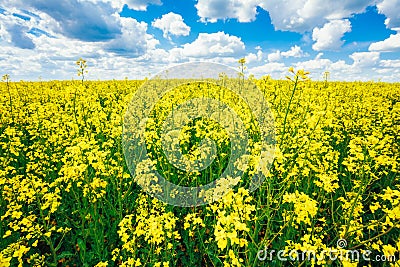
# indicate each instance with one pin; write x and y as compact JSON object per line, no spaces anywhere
{"x":67,"y":197}
{"x":233,"y":213}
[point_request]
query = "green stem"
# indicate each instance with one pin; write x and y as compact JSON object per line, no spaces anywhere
{"x":287,"y":110}
{"x":46,"y":228}
{"x":10,"y":99}
{"x":75,"y":115}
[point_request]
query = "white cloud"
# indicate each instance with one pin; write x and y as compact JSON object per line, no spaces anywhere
{"x":294,"y":15}
{"x":388,"y":45}
{"x":171,"y":24}
{"x":285,"y":15}
{"x":304,"y":15}
{"x":139,"y":5}
{"x":3,"y":31}
{"x":275,"y":56}
{"x":320,"y":54}
{"x":274,"y":69}
{"x":52,"y":58}
{"x":366,"y":66}
{"x":134,"y":40}
{"x":338,"y":70}
{"x":15,"y":31}
{"x":260,"y":54}
{"x":251,"y":57}
{"x":214,"y":45}
{"x":212,"y":10}
{"x":314,"y":65}
{"x":82,"y":20}
{"x":40,"y":28}
{"x":329,"y":37}
{"x":365,"y":59}
{"x":225,"y":60}
{"x":255,"y":57}
{"x":295,"y":51}
{"x":55,"y":52}
{"x":390,"y":63}
{"x":391,"y":9}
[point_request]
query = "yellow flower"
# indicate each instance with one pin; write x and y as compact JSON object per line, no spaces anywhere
{"x":304,"y":207}
{"x":7,"y":234}
{"x":102,"y":264}
{"x":388,"y":250}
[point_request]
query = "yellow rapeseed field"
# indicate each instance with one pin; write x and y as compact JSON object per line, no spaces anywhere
{"x":68,"y":198}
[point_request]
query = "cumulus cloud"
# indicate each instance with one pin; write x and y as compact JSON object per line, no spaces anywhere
{"x":339,"y":70}
{"x":134,"y":39}
{"x":391,"y":9}
{"x":365,"y":66}
{"x":390,"y":44}
{"x":274,"y":69}
{"x":126,"y":37}
{"x":139,"y":5}
{"x":275,"y":56}
{"x":20,"y":38}
{"x":295,"y":51}
{"x":214,"y":45}
{"x":52,"y":58}
{"x":304,"y":15}
{"x":171,"y":24}
{"x":14,"y":30}
{"x":295,"y":15}
{"x":319,"y":65}
{"x":329,"y":37}
{"x":82,"y":20}
{"x":254,"y":57}
{"x":390,"y":63}
{"x":212,"y":10}
{"x":251,"y":57}
{"x":365,"y":59}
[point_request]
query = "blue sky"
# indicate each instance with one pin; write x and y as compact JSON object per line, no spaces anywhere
{"x":352,"y":39}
